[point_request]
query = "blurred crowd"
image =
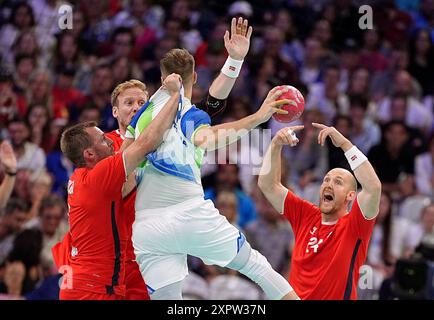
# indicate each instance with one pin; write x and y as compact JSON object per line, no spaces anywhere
{"x":376,"y":86}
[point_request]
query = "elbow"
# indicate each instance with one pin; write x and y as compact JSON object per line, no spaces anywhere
{"x":265,"y":186}
{"x":261,"y":183}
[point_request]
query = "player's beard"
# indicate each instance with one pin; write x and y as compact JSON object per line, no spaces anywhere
{"x":328,"y":209}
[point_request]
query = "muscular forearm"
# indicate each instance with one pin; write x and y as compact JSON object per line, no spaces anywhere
{"x":223,"y":134}
{"x":6,"y":189}
{"x":222,"y":86}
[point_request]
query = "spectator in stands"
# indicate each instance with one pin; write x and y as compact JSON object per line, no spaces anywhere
{"x":38,"y":119}
{"x":60,"y":169}
{"x":67,"y":53}
{"x":99,"y":96}
{"x":227,"y":204}
{"x":29,"y":155}
{"x":24,"y":66}
{"x":8,"y":100}
{"x":424,"y":171}
{"x":371,"y":56}
{"x":11,"y":222}
{"x":53,"y":225}
{"x":311,"y":65}
{"x":421,"y":65}
{"x":24,"y":260}
{"x":21,"y":19}
{"x":393,"y":156}
{"x":365,"y":133}
{"x":326,"y":96}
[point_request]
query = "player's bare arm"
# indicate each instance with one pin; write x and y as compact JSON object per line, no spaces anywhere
{"x":152,"y":136}
{"x":237,"y":43}
{"x":270,"y":176}
{"x":215,"y":137}
{"x":369,"y":197}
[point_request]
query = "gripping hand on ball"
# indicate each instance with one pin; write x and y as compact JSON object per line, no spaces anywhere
{"x":271,"y":106}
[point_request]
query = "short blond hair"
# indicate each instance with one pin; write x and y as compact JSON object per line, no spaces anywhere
{"x":133,"y":83}
{"x":178,"y":61}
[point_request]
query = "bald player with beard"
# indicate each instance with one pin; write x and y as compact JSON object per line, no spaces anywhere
{"x":330,"y":243}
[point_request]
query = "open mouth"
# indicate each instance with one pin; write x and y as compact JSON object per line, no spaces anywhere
{"x":328,"y":197}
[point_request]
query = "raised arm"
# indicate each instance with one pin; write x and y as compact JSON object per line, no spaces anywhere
{"x":237,"y":43}
{"x":270,"y":177}
{"x":152,"y":135}
{"x":211,"y":138}
{"x":9,"y":163}
{"x":369,"y":197}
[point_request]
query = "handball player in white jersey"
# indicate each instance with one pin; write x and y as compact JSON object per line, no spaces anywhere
{"x":172,"y":217}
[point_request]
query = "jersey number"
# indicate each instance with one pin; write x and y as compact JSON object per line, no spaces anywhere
{"x":313,"y":244}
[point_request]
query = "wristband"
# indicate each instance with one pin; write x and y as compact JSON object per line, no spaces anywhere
{"x":232,"y":67}
{"x":355,"y":157}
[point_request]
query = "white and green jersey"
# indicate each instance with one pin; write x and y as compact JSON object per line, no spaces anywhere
{"x":170,"y":174}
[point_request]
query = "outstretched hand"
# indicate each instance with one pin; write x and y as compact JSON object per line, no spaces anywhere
{"x":237,"y":43}
{"x":337,"y":138}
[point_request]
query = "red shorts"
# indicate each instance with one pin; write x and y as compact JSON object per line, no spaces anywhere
{"x":135,"y":286}
{"x":75,"y":294}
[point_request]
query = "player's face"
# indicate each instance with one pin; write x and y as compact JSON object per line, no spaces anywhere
{"x":102,"y":146}
{"x":334,"y":191}
{"x":129,"y":101}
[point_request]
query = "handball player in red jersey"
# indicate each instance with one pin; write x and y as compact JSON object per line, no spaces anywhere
{"x":97,"y":232}
{"x":330,"y":243}
{"x":129,"y":96}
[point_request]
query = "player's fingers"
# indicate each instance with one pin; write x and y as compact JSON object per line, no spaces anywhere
{"x":233,"y":26}
{"x":296,"y":128}
{"x":319,"y":125}
{"x":324,"y":135}
{"x":244,"y":28}
{"x":239,"y":25}
{"x":249,"y":32}
{"x":278,"y":103}
{"x":226,"y":37}
{"x":279,"y":111}
{"x":272,"y":91}
{"x":319,"y":136}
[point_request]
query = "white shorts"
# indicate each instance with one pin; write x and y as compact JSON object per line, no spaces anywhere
{"x":163,"y":237}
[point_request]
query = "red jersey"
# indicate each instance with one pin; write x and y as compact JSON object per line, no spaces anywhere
{"x":129,"y":202}
{"x":98,"y":236}
{"x":326,"y":257}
